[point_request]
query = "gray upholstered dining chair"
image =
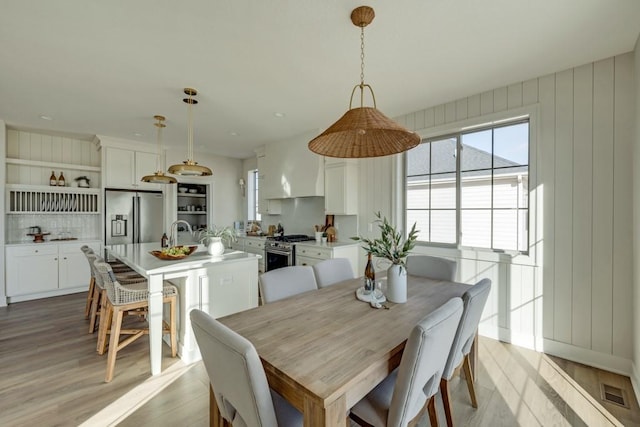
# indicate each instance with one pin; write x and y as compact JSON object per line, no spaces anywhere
{"x":237,"y":377}
{"x":474,"y":301}
{"x":400,"y":399}
{"x":432,"y":267}
{"x":285,"y":282}
{"x":332,"y":271}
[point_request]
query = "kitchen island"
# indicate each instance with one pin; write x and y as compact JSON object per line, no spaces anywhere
{"x":217,"y":285}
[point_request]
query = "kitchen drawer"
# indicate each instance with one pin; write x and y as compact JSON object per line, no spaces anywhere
{"x":305,"y":260}
{"x":41,"y":249}
{"x":255,"y":244}
{"x":314,"y":252}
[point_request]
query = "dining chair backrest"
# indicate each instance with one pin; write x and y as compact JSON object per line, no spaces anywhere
{"x":423,"y":360}
{"x":235,"y":372}
{"x":474,"y":301}
{"x":285,"y":282}
{"x":432,"y":267}
{"x":333,"y":270}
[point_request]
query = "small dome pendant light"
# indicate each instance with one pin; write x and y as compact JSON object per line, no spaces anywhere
{"x":363,"y":131}
{"x":190,"y":167}
{"x":159,"y":177}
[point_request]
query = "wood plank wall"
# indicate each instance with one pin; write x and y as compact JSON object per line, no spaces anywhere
{"x":573,"y":295}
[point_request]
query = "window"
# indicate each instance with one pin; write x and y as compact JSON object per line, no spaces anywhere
{"x":472,"y":188}
{"x":253,"y":193}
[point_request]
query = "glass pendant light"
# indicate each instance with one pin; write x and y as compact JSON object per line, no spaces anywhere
{"x":190,"y":167}
{"x":363,"y":131}
{"x":158,"y":176}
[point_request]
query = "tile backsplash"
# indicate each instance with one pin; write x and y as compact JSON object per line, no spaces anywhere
{"x":299,"y":215}
{"x":81,"y":226}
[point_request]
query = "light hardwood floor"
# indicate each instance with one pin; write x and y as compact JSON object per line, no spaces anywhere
{"x":50,"y":375}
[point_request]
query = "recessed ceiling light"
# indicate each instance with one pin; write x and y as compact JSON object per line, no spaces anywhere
{"x":44,"y":117}
{"x":233,"y":133}
{"x":137,"y":134}
{"x":279,"y":115}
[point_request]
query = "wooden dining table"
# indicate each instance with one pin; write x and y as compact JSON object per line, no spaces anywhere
{"x":324,"y":350}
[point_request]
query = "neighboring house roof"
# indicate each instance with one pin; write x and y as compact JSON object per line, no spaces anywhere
{"x":444,"y":160}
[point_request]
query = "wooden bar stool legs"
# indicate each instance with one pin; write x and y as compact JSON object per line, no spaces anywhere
{"x":113,"y":316}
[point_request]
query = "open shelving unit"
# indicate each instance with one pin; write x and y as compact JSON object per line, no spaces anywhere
{"x":192,"y":204}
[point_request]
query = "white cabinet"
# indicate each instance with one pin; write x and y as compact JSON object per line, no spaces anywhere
{"x":32,"y":269}
{"x":125,"y":168}
{"x":313,"y":253}
{"x":46,"y":269}
{"x":266,"y":206}
{"x":341,"y":183}
{"x":253,"y":245}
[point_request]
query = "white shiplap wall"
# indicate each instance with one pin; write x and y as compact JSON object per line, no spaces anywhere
{"x":572,"y":296}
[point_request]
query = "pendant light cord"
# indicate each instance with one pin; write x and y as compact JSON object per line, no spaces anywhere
{"x":361,"y":66}
{"x":190,"y":129}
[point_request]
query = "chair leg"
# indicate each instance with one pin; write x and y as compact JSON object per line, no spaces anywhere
{"x":87,"y":307}
{"x":433,"y":415}
{"x":113,"y":343}
{"x":95,"y":306}
{"x":466,"y":365}
{"x":446,"y":401}
{"x":106,"y":313}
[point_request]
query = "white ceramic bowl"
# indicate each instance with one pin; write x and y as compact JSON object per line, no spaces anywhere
{"x":193,"y":191}
{"x":182,"y":189}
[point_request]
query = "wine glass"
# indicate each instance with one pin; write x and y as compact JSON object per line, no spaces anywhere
{"x":379,"y":290}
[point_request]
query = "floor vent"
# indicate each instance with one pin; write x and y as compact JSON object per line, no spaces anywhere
{"x":614,"y":395}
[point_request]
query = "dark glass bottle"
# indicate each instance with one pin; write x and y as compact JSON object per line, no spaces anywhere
{"x":52,"y":179}
{"x":61,"y":182}
{"x":164,"y":241}
{"x":369,"y":275}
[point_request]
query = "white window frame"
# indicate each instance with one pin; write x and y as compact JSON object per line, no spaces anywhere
{"x":532,"y":113}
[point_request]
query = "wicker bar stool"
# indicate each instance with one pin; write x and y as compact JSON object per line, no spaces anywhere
{"x":117,"y":267}
{"x":98,"y":295}
{"x":121,"y":299}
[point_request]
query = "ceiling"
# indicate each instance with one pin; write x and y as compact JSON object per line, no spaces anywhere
{"x":106,"y":67}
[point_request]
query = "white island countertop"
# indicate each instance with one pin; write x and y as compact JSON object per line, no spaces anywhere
{"x":138,"y":257}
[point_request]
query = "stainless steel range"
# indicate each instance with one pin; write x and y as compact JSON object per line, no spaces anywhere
{"x":281,"y":251}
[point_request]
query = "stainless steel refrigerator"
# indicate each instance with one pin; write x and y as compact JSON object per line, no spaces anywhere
{"x":133,"y":216}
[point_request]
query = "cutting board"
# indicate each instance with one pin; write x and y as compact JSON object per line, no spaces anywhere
{"x":332,"y":235}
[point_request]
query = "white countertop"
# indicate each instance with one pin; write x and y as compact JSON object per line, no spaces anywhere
{"x":316,"y":244}
{"x":138,"y":257}
{"x":312,"y":243}
{"x":53,"y":242}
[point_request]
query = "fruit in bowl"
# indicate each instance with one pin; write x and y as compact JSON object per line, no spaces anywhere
{"x":174,"y":252}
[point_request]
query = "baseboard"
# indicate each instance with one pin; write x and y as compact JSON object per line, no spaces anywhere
{"x":635,"y":380}
{"x":607,"y":362}
{"x":48,"y":294}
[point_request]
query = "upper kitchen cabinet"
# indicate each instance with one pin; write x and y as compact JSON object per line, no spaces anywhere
{"x":292,"y":170}
{"x":124,"y":167}
{"x":265,"y":205}
{"x":341,"y":186}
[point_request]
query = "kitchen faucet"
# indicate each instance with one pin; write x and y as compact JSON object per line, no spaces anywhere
{"x":173,"y":236}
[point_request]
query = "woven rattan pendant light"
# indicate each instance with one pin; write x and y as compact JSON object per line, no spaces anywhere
{"x":363,"y":131}
{"x":190,"y":167}
{"x":158,"y":176}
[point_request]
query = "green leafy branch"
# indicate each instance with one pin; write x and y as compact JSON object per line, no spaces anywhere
{"x":391,"y":244}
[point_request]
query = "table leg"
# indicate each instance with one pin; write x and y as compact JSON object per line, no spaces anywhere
{"x":154,"y":317}
{"x":215,"y":419}
{"x":333,"y":415}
